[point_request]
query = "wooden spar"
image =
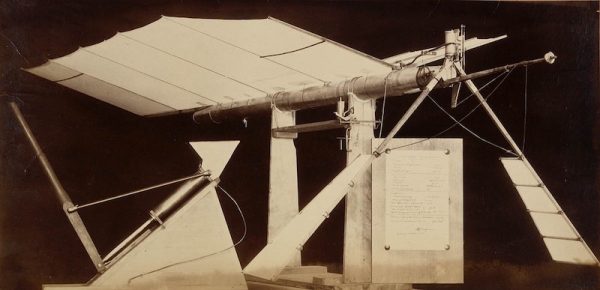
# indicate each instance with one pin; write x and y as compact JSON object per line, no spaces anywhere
{"x":61,"y":194}
{"x":396,"y":83}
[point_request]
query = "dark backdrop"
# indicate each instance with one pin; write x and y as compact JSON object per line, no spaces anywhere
{"x":98,"y":150}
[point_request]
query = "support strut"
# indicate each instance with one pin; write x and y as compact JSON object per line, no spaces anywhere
{"x":61,"y":194}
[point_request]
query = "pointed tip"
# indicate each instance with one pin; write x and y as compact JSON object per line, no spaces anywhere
{"x":215,"y":154}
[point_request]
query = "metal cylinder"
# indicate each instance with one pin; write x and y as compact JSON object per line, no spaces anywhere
{"x":181,"y":195}
{"x":341,"y":105}
{"x":395,"y":83}
{"x":450,"y":38}
{"x":161,"y":212}
{"x":549,"y":58}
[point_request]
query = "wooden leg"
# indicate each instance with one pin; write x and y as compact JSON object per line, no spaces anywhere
{"x":357,"y":230}
{"x":283,"y":179}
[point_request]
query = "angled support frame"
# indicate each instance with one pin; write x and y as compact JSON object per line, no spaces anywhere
{"x":582,"y":254}
{"x":61,"y":193}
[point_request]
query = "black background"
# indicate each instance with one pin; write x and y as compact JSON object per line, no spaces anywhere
{"x":98,"y":150}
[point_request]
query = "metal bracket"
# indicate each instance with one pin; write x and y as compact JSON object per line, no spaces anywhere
{"x":157,"y":219}
{"x":292,"y":131}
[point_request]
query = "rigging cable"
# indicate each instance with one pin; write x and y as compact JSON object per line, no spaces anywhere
{"x":469,"y":130}
{"x":465,"y":116}
{"x":385,"y":81}
{"x":483,"y":87}
{"x":423,"y":52}
{"x":207,"y":255}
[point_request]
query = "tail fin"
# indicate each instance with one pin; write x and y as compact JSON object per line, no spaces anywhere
{"x":560,"y":236}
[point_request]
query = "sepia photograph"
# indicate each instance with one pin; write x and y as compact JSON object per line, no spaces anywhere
{"x":299,"y":145}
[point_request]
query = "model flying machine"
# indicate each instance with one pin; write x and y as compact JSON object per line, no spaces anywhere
{"x":218,"y":69}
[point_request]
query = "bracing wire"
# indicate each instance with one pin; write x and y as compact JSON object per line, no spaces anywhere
{"x":469,"y":130}
{"x":385,"y":81}
{"x":524,"y":114}
{"x":483,"y":87}
{"x":15,"y":47}
{"x":465,"y":116}
{"x":207,"y":255}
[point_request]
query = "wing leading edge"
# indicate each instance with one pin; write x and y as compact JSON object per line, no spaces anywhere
{"x":181,"y":64}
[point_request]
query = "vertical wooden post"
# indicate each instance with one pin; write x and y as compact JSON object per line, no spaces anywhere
{"x":357,"y":230}
{"x":283,"y":178}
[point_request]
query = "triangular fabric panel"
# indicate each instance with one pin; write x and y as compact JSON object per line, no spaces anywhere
{"x":193,"y":249}
{"x":425,"y":56}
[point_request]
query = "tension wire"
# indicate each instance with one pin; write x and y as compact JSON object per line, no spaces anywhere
{"x":385,"y":81}
{"x":465,"y":116}
{"x":457,"y":122}
{"x":207,"y":255}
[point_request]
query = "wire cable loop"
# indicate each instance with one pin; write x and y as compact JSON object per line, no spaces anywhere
{"x":207,"y":255}
{"x":469,"y":130}
{"x":464,"y":117}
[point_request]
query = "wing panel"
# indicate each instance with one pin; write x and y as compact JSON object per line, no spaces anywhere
{"x":553,"y":225}
{"x":332,"y":63}
{"x":186,"y":63}
{"x":132,"y":80}
{"x":562,"y":240}
{"x":566,"y":251}
{"x":172,"y":70}
{"x":419,"y":58}
{"x":218,"y":56}
{"x":536,"y":199}
{"x":101,"y":90}
{"x":53,"y":72}
{"x":518,"y":172}
{"x":259,"y":36}
{"x":117,"y":96}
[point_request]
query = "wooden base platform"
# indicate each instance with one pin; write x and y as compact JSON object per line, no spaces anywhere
{"x":315,"y":277}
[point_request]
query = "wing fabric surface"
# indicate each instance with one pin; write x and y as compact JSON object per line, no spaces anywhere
{"x":425,"y":56}
{"x":180,"y":64}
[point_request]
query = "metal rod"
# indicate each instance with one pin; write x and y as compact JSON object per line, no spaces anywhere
{"x":127,"y":240}
{"x":312,"y":127}
{"x":548,"y":58}
{"x":489,"y":111}
{"x":61,"y":194}
{"x":562,"y":238}
{"x":381,"y":148}
{"x":163,"y":210}
{"x":78,"y":207}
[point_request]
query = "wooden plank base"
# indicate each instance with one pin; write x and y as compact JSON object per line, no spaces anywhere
{"x":316,"y":277}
